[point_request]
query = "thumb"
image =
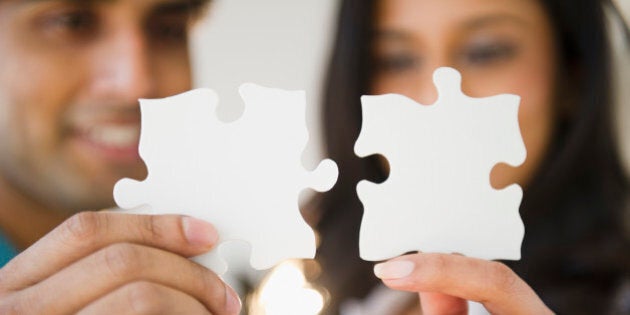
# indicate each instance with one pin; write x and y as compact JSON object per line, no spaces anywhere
{"x":434,"y":303}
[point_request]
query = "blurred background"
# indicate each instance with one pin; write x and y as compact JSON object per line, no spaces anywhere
{"x":285,"y":44}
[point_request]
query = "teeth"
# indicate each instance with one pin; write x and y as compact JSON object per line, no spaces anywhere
{"x":115,"y":136}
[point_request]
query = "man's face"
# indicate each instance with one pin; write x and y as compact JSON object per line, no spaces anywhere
{"x":71,"y":73}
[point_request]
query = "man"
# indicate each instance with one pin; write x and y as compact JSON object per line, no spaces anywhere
{"x":71,"y":72}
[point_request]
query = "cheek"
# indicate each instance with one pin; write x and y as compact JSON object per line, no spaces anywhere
{"x":417,"y":85}
{"x":35,"y":89}
{"x":536,"y":119}
{"x":44,"y":96}
{"x":172,"y":73}
{"x":534,"y":82}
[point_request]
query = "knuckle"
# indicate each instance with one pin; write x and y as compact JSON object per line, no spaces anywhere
{"x":437,"y":264}
{"x":122,"y":259}
{"x":10,"y":305}
{"x":10,"y":309}
{"x":503,"y":278}
{"x":205,"y":282}
{"x":7,"y":308}
{"x":145,"y":298}
{"x":82,"y":226}
{"x":207,"y":285}
{"x":433,"y":271}
{"x":151,"y":228}
{"x":440,"y":262}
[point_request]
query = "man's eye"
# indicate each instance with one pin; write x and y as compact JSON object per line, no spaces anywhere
{"x":78,"y":21}
{"x":396,"y":63}
{"x":488,"y":53}
{"x":169,"y":31}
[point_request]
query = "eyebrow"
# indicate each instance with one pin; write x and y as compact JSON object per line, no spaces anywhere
{"x":395,"y":34}
{"x":486,"y":20}
{"x":195,"y":8}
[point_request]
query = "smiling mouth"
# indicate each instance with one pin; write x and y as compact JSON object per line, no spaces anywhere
{"x":113,"y":136}
{"x":113,"y":142}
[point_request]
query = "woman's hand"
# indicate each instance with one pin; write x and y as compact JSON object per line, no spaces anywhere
{"x":445,"y":282}
{"x":114,"y":263}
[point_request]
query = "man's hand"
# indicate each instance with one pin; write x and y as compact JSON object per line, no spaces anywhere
{"x":114,"y":263}
{"x":445,"y":282}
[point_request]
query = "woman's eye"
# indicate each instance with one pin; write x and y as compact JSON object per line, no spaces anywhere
{"x":488,"y":53}
{"x":396,"y":63}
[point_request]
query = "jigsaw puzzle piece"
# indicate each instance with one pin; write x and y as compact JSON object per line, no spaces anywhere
{"x":498,"y":233}
{"x":129,"y":193}
{"x":438,"y":196}
{"x":243,"y":176}
{"x":277,"y":119}
{"x":169,"y":129}
{"x":492,"y":124}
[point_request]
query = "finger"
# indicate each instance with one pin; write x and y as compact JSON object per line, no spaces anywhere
{"x":145,"y":298}
{"x":117,"y":265}
{"x":490,"y":283}
{"x":433,"y":303}
{"x":88,"y":232}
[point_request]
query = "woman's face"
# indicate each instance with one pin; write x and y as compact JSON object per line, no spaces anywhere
{"x":499,"y":46}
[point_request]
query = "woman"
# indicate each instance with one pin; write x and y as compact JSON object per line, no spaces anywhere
{"x":555,"y":55}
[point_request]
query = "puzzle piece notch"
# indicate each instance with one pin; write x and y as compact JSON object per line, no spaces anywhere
{"x":438,"y":196}
{"x":324,"y":176}
{"x":243,"y":176}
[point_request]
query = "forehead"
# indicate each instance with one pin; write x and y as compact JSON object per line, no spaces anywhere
{"x":463,"y":14}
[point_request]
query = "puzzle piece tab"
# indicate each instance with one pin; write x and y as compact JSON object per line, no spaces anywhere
{"x":438,"y":196}
{"x":243,"y":176}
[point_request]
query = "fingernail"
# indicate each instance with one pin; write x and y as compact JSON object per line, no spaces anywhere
{"x":199,"y":232}
{"x":232,"y":301}
{"x":394,"y":269}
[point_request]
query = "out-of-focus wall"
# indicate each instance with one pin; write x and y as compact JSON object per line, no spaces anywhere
{"x":624,"y":5}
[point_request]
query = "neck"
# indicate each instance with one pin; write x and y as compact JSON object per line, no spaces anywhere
{"x":24,"y":220}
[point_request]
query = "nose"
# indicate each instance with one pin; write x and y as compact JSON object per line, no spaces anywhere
{"x":122,"y":67}
{"x":425,"y":91}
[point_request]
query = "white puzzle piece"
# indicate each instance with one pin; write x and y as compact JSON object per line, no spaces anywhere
{"x":243,"y":176}
{"x":438,"y":197}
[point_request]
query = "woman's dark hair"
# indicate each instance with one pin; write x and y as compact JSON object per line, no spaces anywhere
{"x":575,"y":253}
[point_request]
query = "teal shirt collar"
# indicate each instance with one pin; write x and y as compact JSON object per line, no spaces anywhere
{"x":7,"y":250}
